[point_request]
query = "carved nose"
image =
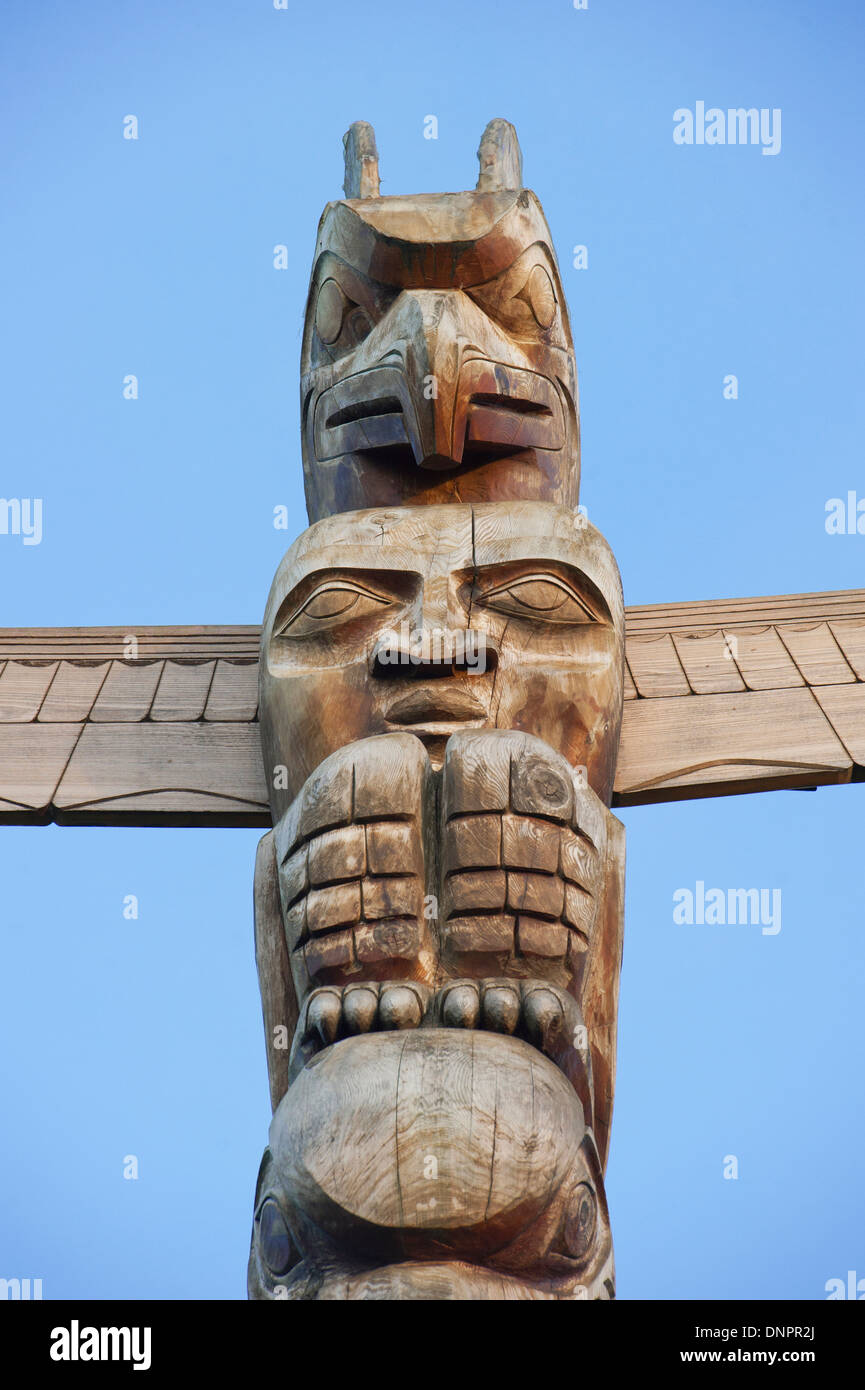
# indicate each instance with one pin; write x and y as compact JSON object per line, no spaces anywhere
{"x":433,"y":367}
{"x":430,"y":653}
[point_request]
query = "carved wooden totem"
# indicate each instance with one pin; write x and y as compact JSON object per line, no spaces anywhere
{"x":439,"y":906}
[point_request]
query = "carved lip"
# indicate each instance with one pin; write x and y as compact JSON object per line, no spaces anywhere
{"x":437,"y":711}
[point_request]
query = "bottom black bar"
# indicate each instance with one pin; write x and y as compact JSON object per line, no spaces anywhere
{"x":168,"y":1339}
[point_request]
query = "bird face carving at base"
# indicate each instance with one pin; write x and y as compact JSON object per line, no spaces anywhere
{"x":437,"y":359}
{"x":510,"y":1228}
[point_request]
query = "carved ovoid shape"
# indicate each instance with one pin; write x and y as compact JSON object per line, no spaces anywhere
{"x":437,"y":358}
{"x":472,"y":1190}
{"x":439,"y":906}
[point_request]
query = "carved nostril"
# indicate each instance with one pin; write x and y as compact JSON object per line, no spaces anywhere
{"x":402,"y":664}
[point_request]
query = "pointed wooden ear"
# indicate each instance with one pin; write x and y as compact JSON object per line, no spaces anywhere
{"x":361,"y":161}
{"x":500,"y":158}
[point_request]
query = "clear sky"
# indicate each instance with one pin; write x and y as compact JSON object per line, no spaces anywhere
{"x":154,"y":257}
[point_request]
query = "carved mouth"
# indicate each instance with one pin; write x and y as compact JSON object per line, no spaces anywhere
{"x":423,"y":706}
{"x":433,"y":1280}
{"x":515,"y":404}
{"x":364,"y":410}
{"x":496,"y":409}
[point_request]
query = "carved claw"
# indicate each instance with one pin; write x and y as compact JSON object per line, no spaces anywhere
{"x":336,"y":1012}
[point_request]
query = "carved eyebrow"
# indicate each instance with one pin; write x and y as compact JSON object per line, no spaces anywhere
{"x":334,"y":585}
{"x":555,"y":581}
{"x":488,"y":580}
{"x":542,"y":256}
{"x":384,"y":586}
{"x":351,"y":281}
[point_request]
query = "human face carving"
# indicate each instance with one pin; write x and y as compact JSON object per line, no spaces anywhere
{"x":436,"y":619}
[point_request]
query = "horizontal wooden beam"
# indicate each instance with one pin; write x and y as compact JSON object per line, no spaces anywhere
{"x":158,"y":726}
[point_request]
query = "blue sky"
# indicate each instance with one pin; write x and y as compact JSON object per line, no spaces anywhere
{"x":155,"y":257}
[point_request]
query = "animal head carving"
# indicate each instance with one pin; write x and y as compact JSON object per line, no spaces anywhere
{"x":437,"y":360}
{"x":370,"y":1214}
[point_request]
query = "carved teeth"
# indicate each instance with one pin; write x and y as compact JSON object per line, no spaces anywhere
{"x":323,"y":1015}
{"x":461,"y":1007}
{"x":359,"y":1006}
{"x":501,"y":1008}
{"x":400,"y":1007}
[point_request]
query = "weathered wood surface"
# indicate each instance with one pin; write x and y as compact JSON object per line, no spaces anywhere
{"x":437,"y":361}
{"x":451,"y":953}
{"x":699,"y":716}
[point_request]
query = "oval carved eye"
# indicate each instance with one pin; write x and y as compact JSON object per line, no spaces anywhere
{"x":330,"y":311}
{"x":580,"y":1222}
{"x":329,"y":605}
{"x":540,"y":296}
{"x":277,"y":1247}
{"x":540,"y":596}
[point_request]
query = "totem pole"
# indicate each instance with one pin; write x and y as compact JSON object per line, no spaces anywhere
{"x":439,"y":906}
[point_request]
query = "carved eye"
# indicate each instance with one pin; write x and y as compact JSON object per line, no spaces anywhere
{"x":330,"y":604}
{"x":540,"y":596}
{"x":330,"y":311}
{"x":540,"y":296}
{"x":335,"y":313}
{"x":581,"y":1222}
{"x":275,"y":1243}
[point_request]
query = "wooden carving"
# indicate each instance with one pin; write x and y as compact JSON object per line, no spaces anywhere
{"x":437,"y":360}
{"x":439,"y":906}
